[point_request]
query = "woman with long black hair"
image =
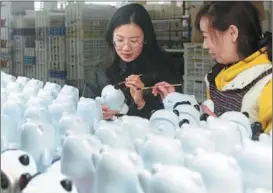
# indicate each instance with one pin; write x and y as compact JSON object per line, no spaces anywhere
{"x":134,"y":57}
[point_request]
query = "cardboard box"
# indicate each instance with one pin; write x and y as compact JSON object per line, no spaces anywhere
{"x":196,"y":36}
{"x":260,"y":6}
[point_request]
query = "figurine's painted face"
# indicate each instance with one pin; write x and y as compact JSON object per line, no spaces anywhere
{"x":46,"y":182}
{"x":16,"y":161}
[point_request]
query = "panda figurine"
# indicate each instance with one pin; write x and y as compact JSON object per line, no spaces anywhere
{"x":17,"y":168}
{"x":113,"y":98}
{"x":187,"y":113}
{"x":50,"y":182}
{"x":164,"y":122}
{"x":173,"y":98}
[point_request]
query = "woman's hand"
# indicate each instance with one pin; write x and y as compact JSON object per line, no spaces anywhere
{"x":134,"y":83}
{"x":163,"y":89}
{"x":207,"y":110}
{"x":107,"y":113}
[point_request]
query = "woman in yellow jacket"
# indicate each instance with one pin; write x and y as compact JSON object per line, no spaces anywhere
{"x":242,"y":78}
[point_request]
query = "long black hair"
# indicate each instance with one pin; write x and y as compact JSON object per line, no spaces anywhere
{"x":245,"y":16}
{"x":153,"y":58}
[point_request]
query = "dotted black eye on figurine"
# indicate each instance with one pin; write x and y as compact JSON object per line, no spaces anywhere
{"x":181,"y":103}
{"x":24,"y":180}
{"x":184,"y":121}
{"x":4,"y":182}
{"x":197,"y":107}
{"x":117,"y":86}
{"x":204,"y":117}
{"x":246,"y":114}
{"x":67,"y":185}
{"x":176,"y":112}
{"x":24,"y":160}
{"x":256,"y":128}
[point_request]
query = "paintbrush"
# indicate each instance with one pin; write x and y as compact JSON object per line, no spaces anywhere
{"x":120,"y":83}
{"x":123,"y":82}
{"x":151,"y":87}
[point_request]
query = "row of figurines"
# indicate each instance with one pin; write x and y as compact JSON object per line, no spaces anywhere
{"x":181,"y":113}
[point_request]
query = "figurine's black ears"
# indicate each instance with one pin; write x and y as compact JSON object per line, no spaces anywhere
{"x":24,"y":180}
{"x":183,"y":122}
{"x":116,"y":86}
{"x":67,"y":185}
{"x":197,"y":107}
{"x":246,"y":114}
{"x":257,"y":129}
{"x":204,"y":117}
{"x":4,"y":182}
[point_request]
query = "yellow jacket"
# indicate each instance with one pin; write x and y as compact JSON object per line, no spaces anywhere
{"x":258,"y":100}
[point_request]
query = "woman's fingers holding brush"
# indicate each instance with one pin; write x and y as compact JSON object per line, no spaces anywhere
{"x":134,"y":80}
{"x":163,"y":89}
{"x":155,"y":90}
{"x":135,"y":84}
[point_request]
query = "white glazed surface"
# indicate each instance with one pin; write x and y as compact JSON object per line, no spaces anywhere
{"x":225,"y":134}
{"x":171,"y":179}
{"x":159,"y":149}
{"x":71,"y":123}
{"x":77,"y":151}
{"x":114,"y":134}
{"x":195,"y":138}
{"x":255,"y":160}
{"x":38,"y":139}
{"x":241,"y":120}
{"x":218,"y":171}
{"x":116,"y":171}
{"x":164,"y":122}
{"x":91,"y":112}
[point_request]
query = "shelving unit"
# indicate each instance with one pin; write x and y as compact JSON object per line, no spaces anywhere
{"x":6,"y":39}
{"x":197,"y":63}
{"x":63,"y":46}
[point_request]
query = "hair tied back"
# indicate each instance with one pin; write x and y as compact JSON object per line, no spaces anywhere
{"x":265,"y":39}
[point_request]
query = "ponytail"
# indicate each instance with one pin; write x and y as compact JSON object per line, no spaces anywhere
{"x":266,"y":41}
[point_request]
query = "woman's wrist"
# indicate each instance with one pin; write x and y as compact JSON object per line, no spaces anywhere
{"x":140,"y":104}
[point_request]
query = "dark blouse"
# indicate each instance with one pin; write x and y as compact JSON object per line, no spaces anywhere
{"x":154,"y":70}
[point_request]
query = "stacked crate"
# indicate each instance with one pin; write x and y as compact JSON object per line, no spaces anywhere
{"x":6,"y":37}
{"x":85,"y":28}
{"x":267,"y":22}
{"x":197,"y":63}
{"x":24,"y":46}
{"x":56,"y":48}
{"x":170,"y":26}
{"x":41,"y":44}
